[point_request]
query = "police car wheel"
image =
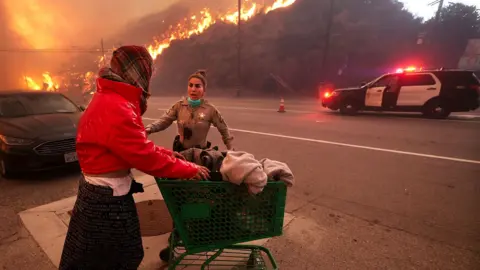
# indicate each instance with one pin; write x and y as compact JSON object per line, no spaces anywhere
{"x":349,"y":107}
{"x":436,"y":109}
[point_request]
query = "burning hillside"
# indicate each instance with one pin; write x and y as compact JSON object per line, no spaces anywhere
{"x":194,"y":24}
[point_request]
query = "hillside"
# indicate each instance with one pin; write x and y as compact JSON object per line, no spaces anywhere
{"x":290,"y":43}
{"x":368,"y":38}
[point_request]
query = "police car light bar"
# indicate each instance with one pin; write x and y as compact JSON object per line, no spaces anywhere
{"x":407,"y":69}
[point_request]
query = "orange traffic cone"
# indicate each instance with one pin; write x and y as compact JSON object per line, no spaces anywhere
{"x":282,"y":106}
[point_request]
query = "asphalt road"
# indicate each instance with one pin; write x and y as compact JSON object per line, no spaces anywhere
{"x":373,"y":191}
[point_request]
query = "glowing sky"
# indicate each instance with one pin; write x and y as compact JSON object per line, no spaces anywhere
{"x":422,"y":9}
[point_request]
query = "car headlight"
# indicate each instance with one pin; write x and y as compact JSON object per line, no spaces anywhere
{"x":15,"y":141}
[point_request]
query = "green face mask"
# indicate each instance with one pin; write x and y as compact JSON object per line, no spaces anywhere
{"x":194,"y":103}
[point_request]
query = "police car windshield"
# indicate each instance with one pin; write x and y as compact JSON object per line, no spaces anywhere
{"x":372,"y":82}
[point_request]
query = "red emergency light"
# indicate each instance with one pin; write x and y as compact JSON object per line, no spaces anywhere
{"x":407,"y":69}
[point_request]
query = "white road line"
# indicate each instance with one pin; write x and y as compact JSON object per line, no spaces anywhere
{"x":454,"y":118}
{"x":351,"y":145}
{"x":251,"y":109}
{"x":466,"y":116}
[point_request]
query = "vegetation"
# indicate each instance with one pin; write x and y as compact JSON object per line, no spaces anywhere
{"x":367,"y":38}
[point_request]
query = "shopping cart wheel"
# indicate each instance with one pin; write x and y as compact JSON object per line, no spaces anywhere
{"x":255,"y":260}
{"x":165,"y":254}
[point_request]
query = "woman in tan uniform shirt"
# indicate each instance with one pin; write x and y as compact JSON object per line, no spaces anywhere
{"x":194,"y":115}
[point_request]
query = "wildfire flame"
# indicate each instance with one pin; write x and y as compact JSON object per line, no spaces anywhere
{"x":193,"y":25}
{"x":31,"y":84}
{"x":47,"y":85}
{"x":280,"y":4}
{"x":88,"y":81}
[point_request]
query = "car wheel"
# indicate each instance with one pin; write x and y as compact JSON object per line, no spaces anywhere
{"x":349,"y":107}
{"x":165,"y":254}
{"x":436,"y":109}
{"x":4,"y":170}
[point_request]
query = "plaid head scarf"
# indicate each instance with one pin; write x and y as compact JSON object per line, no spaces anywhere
{"x":132,"y":65}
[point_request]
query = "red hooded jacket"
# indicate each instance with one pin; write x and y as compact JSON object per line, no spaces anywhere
{"x":111,"y":136}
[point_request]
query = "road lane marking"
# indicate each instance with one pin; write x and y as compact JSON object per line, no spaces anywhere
{"x":251,"y":109}
{"x":350,"y":145}
{"x":453,"y":118}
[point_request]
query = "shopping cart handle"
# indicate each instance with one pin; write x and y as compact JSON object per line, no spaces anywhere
{"x":215,"y":177}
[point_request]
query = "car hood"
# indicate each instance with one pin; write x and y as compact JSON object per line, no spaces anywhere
{"x":34,"y":126}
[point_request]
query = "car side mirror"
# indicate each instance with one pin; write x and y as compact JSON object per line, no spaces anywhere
{"x":82,"y":108}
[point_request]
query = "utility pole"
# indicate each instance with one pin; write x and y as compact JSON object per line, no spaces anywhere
{"x":430,"y":48}
{"x":327,"y":36}
{"x":239,"y":48}
{"x":439,"y":10}
{"x":103,"y":53}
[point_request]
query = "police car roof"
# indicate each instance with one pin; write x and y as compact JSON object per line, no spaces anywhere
{"x":436,"y":71}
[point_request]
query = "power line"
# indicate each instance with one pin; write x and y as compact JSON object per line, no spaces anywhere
{"x":48,"y":51}
{"x":18,"y":50}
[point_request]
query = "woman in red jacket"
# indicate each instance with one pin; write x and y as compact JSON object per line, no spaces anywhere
{"x":104,"y":231}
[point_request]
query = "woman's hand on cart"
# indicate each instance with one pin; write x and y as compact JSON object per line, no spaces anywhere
{"x":203,"y":173}
{"x":178,"y":155}
{"x":148,"y":130}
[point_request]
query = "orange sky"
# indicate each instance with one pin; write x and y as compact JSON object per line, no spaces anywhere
{"x":55,"y":24}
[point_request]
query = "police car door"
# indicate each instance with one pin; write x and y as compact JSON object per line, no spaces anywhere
{"x":417,"y":89}
{"x":374,"y":95}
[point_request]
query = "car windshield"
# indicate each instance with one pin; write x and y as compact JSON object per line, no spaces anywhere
{"x":372,"y":81}
{"x":35,"y":104}
{"x":10,"y":106}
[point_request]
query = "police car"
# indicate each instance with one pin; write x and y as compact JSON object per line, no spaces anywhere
{"x":434,"y":93}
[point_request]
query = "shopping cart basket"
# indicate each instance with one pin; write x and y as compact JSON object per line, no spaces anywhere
{"x":212,"y":218}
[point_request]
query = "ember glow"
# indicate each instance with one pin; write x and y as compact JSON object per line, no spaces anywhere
{"x":188,"y":27}
{"x":88,"y":81}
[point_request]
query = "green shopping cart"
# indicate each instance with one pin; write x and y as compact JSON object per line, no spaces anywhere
{"x":212,"y":218}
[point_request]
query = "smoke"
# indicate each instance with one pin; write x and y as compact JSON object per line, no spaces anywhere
{"x":73,"y":25}
{"x":51,"y":24}
{"x":7,"y":60}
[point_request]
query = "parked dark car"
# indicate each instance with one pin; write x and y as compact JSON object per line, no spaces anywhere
{"x":37,"y":131}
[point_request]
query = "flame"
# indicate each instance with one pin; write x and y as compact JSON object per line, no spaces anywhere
{"x":31,"y":84}
{"x":48,"y":82}
{"x":245,"y":15}
{"x":198,"y":24}
{"x":279,"y":4}
{"x":47,"y":85}
{"x":88,"y":81}
{"x":188,"y":27}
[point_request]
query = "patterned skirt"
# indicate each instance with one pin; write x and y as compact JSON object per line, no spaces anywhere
{"x":104,"y":231}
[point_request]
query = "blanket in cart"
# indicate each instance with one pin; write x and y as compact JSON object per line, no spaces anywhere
{"x":241,"y":167}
